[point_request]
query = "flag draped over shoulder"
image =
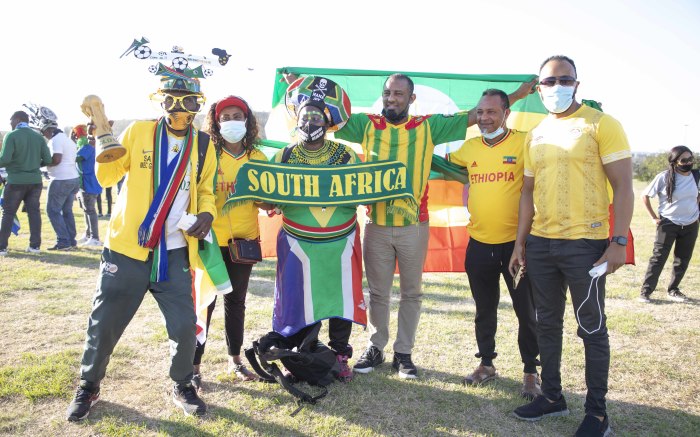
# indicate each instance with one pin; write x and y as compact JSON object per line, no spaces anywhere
{"x":436,"y":93}
{"x":210,"y":278}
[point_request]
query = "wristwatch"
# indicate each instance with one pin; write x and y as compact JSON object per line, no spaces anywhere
{"x":622,"y":241}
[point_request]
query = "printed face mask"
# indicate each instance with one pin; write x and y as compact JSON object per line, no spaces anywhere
{"x":309,"y":133}
{"x":233,"y":131}
{"x":179,"y":120}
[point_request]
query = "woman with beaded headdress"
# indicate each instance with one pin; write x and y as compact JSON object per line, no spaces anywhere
{"x":318,"y":247}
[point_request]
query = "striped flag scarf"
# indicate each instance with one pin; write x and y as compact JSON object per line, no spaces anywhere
{"x":167,"y":178}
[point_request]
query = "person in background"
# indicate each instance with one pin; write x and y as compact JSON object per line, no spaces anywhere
{"x":676,"y":223}
{"x":234,"y":132}
{"x":23,"y":153}
{"x":90,"y":189}
{"x":63,"y":185}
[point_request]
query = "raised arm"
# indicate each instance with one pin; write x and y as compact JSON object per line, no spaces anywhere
{"x":525,"y":89}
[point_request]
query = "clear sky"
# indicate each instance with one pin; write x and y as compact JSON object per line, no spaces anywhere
{"x":640,"y":58}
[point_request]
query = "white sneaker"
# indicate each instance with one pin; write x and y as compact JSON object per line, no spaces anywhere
{"x":92,"y":242}
{"x":30,"y":249}
{"x":3,"y":252}
{"x":84,"y":239}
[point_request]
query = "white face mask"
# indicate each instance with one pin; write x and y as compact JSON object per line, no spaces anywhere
{"x":557,"y":98}
{"x":233,"y":130}
{"x":496,"y":133}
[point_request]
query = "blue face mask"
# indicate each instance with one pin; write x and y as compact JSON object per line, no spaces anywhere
{"x":557,"y":98}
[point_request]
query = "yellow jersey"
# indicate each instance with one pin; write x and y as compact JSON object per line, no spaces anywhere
{"x":495,"y":182}
{"x":566,"y":158}
{"x":241,"y":220}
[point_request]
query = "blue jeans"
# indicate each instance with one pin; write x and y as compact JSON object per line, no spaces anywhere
{"x":59,"y":208}
{"x":87,"y":202}
{"x":13,"y":195}
{"x":553,"y":266}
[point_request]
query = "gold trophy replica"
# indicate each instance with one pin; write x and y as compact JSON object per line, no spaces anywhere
{"x":108,"y":148}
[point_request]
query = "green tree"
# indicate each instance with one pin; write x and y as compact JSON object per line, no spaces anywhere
{"x":649,"y":166}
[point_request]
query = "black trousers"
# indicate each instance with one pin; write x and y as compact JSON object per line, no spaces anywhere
{"x":234,"y":307}
{"x":668,"y":233}
{"x":553,"y":266}
{"x":339,"y":331}
{"x":485,"y":264}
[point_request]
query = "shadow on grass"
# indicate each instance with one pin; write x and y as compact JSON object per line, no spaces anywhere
{"x":71,"y":258}
{"x":119,"y":420}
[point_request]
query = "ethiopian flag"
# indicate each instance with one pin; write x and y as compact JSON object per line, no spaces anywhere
{"x":436,"y":93}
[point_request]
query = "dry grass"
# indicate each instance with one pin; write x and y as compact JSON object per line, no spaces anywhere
{"x":45,"y":301}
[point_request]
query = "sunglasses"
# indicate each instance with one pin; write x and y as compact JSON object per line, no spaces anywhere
{"x":687,"y":160}
{"x":191,"y":103}
{"x":562,"y":80}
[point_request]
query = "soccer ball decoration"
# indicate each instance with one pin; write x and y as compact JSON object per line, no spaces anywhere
{"x":142,"y":52}
{"x":208,"y":72}
{"x":153,"y":69}
{"x":180,"y":63}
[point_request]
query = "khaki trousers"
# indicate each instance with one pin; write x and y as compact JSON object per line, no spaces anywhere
{"x":383,"y":247}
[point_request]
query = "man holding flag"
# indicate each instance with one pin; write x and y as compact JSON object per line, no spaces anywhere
{"x":23,"y":153}
{"x":145,"y":247}
{"x":393,"y":236}
{"x":495,"y":164}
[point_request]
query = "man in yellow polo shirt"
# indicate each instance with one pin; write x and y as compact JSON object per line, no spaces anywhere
{"x":495,"y":164}
{"x":563,"y":233}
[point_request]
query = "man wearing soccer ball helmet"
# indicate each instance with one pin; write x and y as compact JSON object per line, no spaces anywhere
{"x":169,"y":168}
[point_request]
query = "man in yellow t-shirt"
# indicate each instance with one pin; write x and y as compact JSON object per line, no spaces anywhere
{"x":563,"y":232}
{"x":495,"y":164}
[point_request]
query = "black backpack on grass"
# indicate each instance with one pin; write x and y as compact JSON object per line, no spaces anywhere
{"x":303,"y":355}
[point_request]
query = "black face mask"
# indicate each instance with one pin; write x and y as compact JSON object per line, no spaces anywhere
{"x":393,"y":116}
{"x":684,"y":168}
{"x":309,"y":133}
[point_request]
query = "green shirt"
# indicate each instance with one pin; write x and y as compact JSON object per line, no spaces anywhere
{"x":411,"y":143}
{"x":23,"y":153}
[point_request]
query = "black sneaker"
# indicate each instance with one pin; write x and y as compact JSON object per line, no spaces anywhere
{"x":84,"y":398}
{"x":185,"y":397}
{"x":540,"y":408}
{"x":592,"y":426}
{"x":57,"y":247}
{"x":371,"y":358}
{"x":644,"y":298}
{"x":676,"y":296}
{"x":403,"y":364}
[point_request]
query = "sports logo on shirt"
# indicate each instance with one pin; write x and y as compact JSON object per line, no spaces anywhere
{"x":474,"y":164}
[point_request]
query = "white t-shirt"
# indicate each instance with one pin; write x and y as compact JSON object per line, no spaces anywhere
{"x":683,"y":209}
{"x":175,"y":237}
{"x":66,"y":169}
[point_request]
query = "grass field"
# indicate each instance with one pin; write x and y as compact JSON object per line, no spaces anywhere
{"x":45,"y":301}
